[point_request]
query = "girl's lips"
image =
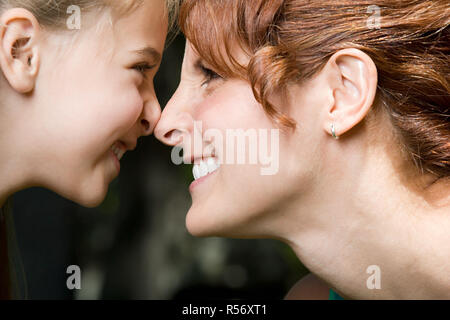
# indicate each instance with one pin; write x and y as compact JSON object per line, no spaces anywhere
{"x":116,"y":161}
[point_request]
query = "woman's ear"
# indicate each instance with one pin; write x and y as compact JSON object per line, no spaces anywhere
{"x":19,"y":51}
{"x":353,"y":79}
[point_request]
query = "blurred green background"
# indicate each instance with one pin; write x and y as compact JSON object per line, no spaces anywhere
{"x":135,"y":245}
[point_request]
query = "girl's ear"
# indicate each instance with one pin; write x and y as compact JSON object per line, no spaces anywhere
{"x":19,"y":50}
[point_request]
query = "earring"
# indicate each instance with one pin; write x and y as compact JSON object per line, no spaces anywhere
{"x":333,"y":132}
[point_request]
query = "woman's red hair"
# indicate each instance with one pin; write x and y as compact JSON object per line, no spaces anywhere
{"x":291,"y":41}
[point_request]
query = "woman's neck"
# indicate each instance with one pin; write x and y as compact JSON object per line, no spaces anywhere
{"x":377,"y":224}
{"x":412,"y":256}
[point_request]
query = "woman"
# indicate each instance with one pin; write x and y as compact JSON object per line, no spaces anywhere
{"x":361,"y":98}
{"x":76,"y":93}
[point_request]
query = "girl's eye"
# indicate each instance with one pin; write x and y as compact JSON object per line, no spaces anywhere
{"x":143,"y":68}
{"x":209,"y":75}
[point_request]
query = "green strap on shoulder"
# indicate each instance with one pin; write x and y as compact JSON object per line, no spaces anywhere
{"x":334,"y":296}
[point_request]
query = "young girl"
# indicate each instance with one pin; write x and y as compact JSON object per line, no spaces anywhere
{"x":360,"y":93}
{"x":76,"y":92}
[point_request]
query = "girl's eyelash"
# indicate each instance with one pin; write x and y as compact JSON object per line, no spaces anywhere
{"x":143,"y":68}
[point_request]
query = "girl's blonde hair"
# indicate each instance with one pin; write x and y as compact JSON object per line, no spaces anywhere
{"x":53,"y":13}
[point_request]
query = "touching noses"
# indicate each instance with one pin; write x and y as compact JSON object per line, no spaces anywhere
{"x":150,"y":116}
{"x":174,"y":124}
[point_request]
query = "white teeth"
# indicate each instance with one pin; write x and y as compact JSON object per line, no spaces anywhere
{"x":213,"y":165}
{"x":196,"y":172}
{"x":119,"y":152}
{"x":205,"y":167}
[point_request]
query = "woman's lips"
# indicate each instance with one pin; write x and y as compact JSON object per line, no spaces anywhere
{"x":203,"y":168}
{"x":201,"y":180}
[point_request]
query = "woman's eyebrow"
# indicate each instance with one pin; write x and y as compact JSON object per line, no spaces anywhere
{"x":150,"y":53}
{"x":198,"y":64}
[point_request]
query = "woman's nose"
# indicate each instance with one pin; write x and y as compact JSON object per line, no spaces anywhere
{"x":173,"y":125}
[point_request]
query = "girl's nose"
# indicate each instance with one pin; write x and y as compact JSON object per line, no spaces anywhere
{"x":150,"y":117}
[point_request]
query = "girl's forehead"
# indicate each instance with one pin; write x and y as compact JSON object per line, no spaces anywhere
{"x":147,"y":25}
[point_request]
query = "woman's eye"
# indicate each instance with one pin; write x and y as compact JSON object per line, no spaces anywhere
{"x":209,"y":75}
{"x":143,"y":68}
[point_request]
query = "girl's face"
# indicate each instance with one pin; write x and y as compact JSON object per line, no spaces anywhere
{"x":94,"y":97}
{"x":240,"y":198}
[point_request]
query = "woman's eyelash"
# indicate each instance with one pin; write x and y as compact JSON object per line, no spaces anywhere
{"x":209,"y":74}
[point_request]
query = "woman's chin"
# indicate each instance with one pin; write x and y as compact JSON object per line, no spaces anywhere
{"x":196,"y":230}
{"x":199,"y":226}
{"x":209,"y":224}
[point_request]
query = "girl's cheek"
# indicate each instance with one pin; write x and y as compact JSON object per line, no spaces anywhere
{"x":130,"y":109}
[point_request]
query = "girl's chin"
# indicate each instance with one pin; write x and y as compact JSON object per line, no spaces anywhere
{"x":91,"y":198}
{"x":92,"y":203}
{"x":98,"y":187}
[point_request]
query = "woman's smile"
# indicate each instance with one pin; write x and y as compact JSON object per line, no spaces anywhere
{"x":204,"y":169}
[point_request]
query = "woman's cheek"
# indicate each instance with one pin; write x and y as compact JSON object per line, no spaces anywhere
{"x":215,"y":104}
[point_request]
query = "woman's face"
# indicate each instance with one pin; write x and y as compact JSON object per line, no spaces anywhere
{"x":239,"y":199}
{"x":93,"y":99}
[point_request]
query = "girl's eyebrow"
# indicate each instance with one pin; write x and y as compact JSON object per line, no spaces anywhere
{"x":150,"y":53}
